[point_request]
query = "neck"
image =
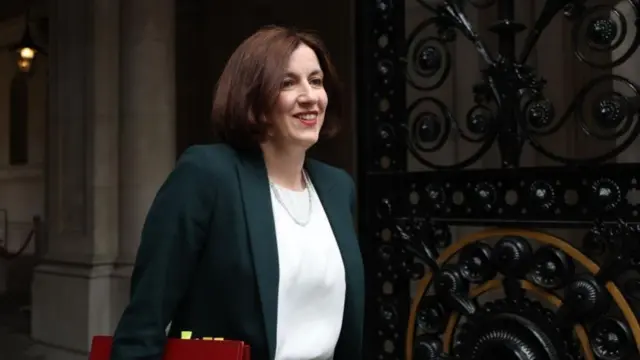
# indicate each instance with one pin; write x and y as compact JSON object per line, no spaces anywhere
{"x":284,"y":165}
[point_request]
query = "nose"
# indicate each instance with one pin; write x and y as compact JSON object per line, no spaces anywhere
{"x":308,"y":94}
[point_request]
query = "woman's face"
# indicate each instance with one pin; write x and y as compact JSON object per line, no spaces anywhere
{"x":299,"y":111}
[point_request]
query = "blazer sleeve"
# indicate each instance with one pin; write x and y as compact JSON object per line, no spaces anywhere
{"x":173,"y":234}
{"x":352,"y":196}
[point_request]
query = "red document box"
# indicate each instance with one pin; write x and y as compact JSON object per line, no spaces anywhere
{"x":177,"y":349}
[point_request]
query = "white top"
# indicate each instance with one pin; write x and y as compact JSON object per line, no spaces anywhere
{"x":311,"y":291}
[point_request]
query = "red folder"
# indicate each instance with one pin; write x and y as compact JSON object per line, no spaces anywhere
{"x":177,"y":349}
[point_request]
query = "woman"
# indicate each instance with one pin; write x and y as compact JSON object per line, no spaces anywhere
{"x":249,"y":239}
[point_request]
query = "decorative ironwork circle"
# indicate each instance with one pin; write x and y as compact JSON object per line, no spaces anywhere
{"x":594,"y":106}
{"x":542,"y":194}
{"x":552,"y":268}
{"x":430,"y":125}
{"x":513,"y":329}
{"x":584,"y":297}
{"x":429,"y":59}
{"x":539,"y":114}
{"x":604,"y":29}
{"x":611,"y":339}
{"x":475,"y":263}
{"x":480,"y":123}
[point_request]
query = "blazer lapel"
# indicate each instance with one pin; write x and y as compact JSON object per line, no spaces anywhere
{"x":262,"y":235}
{"x":339,"y":214}
{"x":256,"y":196}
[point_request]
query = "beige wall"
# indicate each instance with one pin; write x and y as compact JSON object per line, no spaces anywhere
{"x":21,"y":187}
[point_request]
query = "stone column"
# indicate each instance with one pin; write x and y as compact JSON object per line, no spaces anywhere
{"x":70,"y":289}
{"x":147,"y":121}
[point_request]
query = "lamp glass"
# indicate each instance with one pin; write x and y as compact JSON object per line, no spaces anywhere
{"x":27,"y":53}
{"x":24,"y":65}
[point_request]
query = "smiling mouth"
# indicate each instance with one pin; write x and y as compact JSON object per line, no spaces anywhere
{"x":308,"y":118}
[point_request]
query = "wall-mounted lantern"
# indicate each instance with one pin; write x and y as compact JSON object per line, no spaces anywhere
{"x":25,"y":58}
{"x":26,"y":49}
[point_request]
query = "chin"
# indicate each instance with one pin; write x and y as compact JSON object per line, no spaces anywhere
{"x":306,"y":141}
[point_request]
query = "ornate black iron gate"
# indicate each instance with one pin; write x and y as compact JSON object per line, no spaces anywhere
{"x":510,"y":290}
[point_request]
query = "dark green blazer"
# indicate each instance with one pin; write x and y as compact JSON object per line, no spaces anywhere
{"x":208,"y":259}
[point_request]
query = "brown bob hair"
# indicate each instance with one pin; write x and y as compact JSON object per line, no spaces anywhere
{"x":251,"y":81}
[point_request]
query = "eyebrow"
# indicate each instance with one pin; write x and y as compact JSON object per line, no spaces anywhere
{"x":313,"y":73}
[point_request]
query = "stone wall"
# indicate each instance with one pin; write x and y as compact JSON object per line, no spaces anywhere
{"x":21,"y":186}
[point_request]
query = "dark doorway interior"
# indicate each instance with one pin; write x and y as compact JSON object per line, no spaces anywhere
{"x":208,"y":31}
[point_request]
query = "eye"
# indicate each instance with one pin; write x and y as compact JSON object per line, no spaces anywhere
{"x":287,"y":83}
{"x":316,"y":82}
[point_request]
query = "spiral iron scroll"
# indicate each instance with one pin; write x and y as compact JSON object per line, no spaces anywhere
{"x":548,"y":300}
{"x":511,"y":108}
{"x":500,"y":293}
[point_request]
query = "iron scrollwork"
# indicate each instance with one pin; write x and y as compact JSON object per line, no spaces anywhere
{"x":511,"y":108}
{"x":557,"y":294}
{"x":549,"y":300}
{"x":448,"y":319}
{"x":541,"y":196}
{"x":504,"y":292}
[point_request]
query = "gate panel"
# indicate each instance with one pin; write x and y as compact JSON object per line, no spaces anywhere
{"x":499,"y":201}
